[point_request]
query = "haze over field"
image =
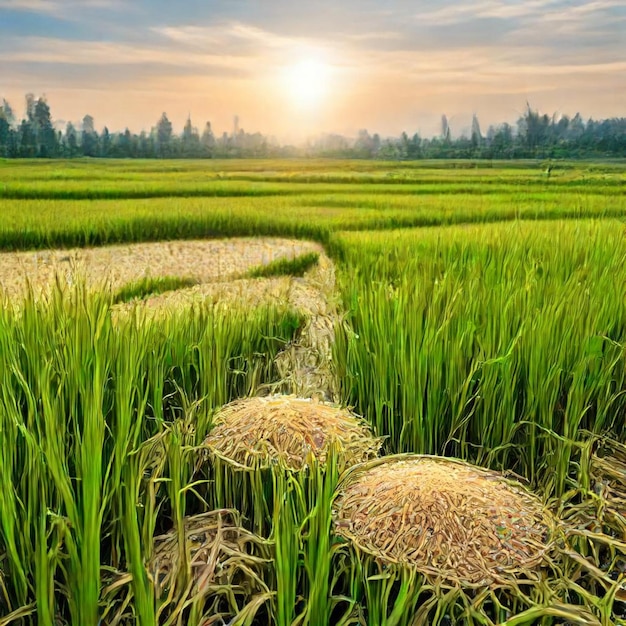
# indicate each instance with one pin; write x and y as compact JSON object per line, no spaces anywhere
{"x":292,"y":68}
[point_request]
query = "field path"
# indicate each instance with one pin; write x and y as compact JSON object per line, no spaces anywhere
{"x":306,"y":366}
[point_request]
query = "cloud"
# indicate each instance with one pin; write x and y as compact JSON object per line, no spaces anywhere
{"x":234,"y":38}
{"x":480,"y":53}
{"x":53,"y":51}
{"x":58,"y":8}
{"x":529,"y":9}
{"x":471,"y":11}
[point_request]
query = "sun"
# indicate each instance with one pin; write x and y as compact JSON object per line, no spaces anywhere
{"x":308,"y":82}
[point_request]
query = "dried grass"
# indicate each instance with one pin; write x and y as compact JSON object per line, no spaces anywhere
{"x":286,"y":430}
{"x":116,"y":266}
{"x":452,"y":521}
{"x":218,"y":552}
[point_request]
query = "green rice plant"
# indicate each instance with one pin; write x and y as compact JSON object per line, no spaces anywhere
{"x":496,"y":343}
{"x":37,"y":224}
{"x":97,"y":456}
{"x":304,"y":545}
{"x":55,"y":204}
{"x":150,"y":286}
{"x":293,"y":508}
{"x":287,"y":541}
{"x":118,"y":179}
{"x":391,"y":595}
{"x":318,"y":544}
{"x":297,"y":266}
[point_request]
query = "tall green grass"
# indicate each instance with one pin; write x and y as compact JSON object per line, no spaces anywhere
{"x":64,"y":204}
{"x":136,"y":175}
{"x":37,"y":224}
{"x":297,"y":266}
{"x":99,"y":418}
{"x":495,"y":343}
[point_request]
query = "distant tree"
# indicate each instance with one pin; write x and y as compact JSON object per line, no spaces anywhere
{"x":445,"y":129}
{"x":71,"y":141}
{"x":375,"y":145}
{"x":576,"y":128}
{"x":476,"y":137}
{"x":364,"y":145}
{"x":502,"y":142}
{"x":7,"y":112}
{"x":46,"y":137}
{"x":208,"y":141}
{"x":223,"y":146}
{"x":89,"y":124}
{"x":26,"y":141}
{"x":414,"y":147}
{"x":122,"y":145}
{"x":89,"y":137}
{"x":145,"y":147}
{"x":403,"y":146}
{"x":5,"y":132}
{"x":30,"y":107}
{"x":389,"y":150}
{"x":538,"y":135}
{"x":105,"y":143}
{"x":533,"y":131}
{"x":163,"y":136}
{"x":190,"y":141}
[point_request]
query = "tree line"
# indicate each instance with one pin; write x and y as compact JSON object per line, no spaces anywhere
{"x":534,"y":136}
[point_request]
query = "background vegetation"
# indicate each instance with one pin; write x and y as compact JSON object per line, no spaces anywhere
{"x":535,"y":135}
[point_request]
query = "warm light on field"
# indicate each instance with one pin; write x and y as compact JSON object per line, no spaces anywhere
{"x":308,"y":82}
{"x":217,"y":310}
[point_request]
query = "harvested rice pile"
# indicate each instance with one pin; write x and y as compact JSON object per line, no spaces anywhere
{"x":258,"y":432}
{"x":218,"y":551}
{"x":452,"y":521}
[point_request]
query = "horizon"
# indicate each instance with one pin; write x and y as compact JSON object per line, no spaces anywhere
{"x":292,"y":72}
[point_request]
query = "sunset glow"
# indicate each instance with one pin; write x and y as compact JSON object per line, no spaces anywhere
{"x":288,"y":68}
{"x":307,"y":82}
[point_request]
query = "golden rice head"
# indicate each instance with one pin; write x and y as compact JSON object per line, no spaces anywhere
{"x":452,"y":521}
{"x":288,"y":431}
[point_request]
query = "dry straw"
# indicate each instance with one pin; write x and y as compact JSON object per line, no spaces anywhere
{"x":288,"y":431}
{"x":454,"y":522}
{"x":217,"y":551}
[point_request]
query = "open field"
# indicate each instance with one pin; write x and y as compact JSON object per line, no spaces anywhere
{"x":86,"y":203}
{"x":478,"y":313}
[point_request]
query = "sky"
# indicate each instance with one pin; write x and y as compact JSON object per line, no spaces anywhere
{"x":294,"y":68}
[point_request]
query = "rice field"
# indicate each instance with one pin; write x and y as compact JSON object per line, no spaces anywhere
{"x":216,"y":463}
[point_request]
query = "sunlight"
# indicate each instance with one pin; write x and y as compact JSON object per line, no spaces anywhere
{"x":307,"y":82}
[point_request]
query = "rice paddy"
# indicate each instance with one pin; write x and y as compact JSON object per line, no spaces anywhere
{"x":189,"y":426}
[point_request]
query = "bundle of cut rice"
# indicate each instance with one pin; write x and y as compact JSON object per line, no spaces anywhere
{"x":450,"y":520}
{"x":288,"y":431}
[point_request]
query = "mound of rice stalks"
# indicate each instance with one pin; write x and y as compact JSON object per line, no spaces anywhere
{"x":453,"y":522}
{"x":219,"y":562}
{"x":287,"y":431}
